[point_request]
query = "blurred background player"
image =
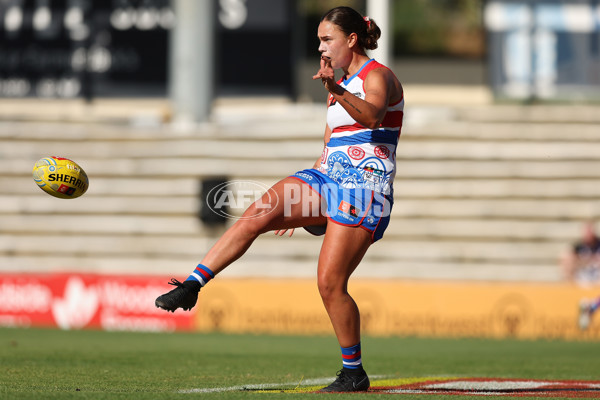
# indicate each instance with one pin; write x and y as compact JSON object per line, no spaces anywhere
{"x":354,"y":177}
{"x":581,"y":263}
{"x":587,"y":308}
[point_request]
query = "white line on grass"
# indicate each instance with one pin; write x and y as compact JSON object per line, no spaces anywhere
{"x":262,"y":386}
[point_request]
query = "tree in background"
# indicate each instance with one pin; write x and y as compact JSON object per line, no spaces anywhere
{"x":439,"y":28}
{"x":422,"y":28}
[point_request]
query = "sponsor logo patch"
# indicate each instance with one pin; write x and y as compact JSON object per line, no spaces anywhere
{"x":348,"y":208}
{"x":372,"y":174}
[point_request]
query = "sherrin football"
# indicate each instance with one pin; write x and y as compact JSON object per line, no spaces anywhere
{"x":60,"y":177}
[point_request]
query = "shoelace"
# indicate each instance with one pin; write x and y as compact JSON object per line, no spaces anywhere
{"x":342,"y":376}
{"x":175,"y":282}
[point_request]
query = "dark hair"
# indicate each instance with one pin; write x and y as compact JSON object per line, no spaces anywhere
{"x":350,"y":21}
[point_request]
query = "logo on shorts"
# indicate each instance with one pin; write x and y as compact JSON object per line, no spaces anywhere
{"x":356,"y":152}
{"x":348,"y":208}
{"x":304,"y":176}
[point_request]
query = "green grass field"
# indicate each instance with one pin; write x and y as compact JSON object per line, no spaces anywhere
{"x":52,"y":364}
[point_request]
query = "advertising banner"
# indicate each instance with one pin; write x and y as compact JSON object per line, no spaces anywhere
{"x":293,"y":306}
{"x":395,"y":307}
{"x":74,"y":301}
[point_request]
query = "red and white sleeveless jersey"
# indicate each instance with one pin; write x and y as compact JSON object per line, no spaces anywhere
{"x":356,"y":156}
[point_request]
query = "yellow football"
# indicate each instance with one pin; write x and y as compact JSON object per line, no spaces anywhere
{"x":60,"y":177}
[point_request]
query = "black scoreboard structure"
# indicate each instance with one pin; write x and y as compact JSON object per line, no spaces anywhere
{"x":120,"y":48}
{"x":255,"y":46}
{"x":83,"y":48}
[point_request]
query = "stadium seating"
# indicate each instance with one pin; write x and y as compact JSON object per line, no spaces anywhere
{"x":485,"y":192}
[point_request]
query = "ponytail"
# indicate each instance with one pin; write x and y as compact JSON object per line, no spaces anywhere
{"x":350,"y":21}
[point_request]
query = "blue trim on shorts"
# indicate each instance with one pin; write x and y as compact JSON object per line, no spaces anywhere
{"x":350,"y":207}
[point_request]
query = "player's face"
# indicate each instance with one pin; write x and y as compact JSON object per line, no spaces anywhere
{"x":334,"y":44}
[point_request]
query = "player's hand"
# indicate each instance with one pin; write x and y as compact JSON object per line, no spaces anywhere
{"x":281,"y":232}
{"x":326,"y":73}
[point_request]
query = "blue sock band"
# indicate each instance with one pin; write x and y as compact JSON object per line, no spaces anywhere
{"x":201,"y":274}
{"x":351,"y":358}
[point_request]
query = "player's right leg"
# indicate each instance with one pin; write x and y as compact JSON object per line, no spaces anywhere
{"x":288,"y":204}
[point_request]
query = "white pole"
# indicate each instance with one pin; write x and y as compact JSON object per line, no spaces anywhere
{"x":191,"y":62}
{"x":380,"y":11}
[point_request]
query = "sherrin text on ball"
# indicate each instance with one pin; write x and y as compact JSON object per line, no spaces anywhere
{"x":60,"y":177}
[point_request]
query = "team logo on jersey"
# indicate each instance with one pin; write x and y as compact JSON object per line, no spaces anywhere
{"x":356,"y":153}
{"x":382,"y":152}
{"x":331,"y":101}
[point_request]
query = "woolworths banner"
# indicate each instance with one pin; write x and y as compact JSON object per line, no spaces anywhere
{"x":74,"y":301}
{"x":388,"y":307}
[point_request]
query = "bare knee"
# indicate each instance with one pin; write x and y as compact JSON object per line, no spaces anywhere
{"x":247,"y":228}
{"x":255,"y":221}
{"x":331,"y":287}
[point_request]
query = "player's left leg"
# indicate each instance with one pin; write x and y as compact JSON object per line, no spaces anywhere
{"x":343,"y":249}
{"x":288,"y":204}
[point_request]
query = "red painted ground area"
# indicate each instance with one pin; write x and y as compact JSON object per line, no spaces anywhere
{"x":497,"y":387}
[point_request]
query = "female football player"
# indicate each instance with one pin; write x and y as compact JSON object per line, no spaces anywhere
{"x":353,"y":179}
